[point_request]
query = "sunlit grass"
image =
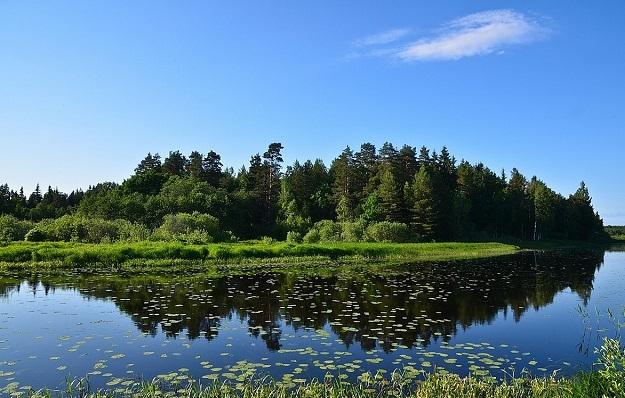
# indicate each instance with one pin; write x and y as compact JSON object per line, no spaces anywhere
{"x":438,"y":385}
{"x":24,"y":254}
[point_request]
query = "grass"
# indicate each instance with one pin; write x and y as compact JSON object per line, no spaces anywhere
{"x":437,"y":385}
{"x":66,"y":254}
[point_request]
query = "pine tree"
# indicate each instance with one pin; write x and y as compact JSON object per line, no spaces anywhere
{"x":365,"y":169}
{"x":175,"y":164}
{"x":424,"y":211}
{"x":272,"y":161}
{"x":151,"y":163}
{"x":35,"y":198}
{"x":391,"y":202}
{"x":342,"y":172}
{"x":212,"y":168}
{"x":583,"y":223}
{"x":408,"y":164}
{"x":424,"y":158}
{"x":195,"y":167}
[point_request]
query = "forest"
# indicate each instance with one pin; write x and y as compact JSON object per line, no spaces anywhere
{"x":386,"y":194}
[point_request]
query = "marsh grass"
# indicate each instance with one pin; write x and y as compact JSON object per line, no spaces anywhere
{"x":436,"y":385}
{"x":68,"y":254}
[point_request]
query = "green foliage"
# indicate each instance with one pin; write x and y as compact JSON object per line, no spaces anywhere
{"x":353,"y":231}
{"x":391,"y":203}
{"x":329,"y":231}
{"x":615,"y":232}
{"x":75,"y":228}
{"x":439,"y":199}
{"x":612,"y":367}
{"x":267,"y":240}
{"x":294,"y":237}
{"x":35,"y":235}
{"x":424,"y":210}
{"x":192,"y":228}
{"x":357,"y":231}
{"x":386,"y":231}
{"x":312,"y":236}
{"x":399,"y":384}
{"x":293,"y":219}
{"x":370,"y":211}
{"x":12,"y":229}
{"x":61,"y":254}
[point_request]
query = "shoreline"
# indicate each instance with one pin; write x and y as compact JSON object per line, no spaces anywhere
{"x":179,"y":256}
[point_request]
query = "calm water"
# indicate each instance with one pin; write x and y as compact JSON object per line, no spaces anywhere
{"x":489,"y":316}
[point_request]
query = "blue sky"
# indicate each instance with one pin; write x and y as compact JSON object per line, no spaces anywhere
{"x":88,"y":88}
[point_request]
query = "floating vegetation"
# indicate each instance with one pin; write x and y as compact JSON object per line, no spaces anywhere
{"x":345,"y":324}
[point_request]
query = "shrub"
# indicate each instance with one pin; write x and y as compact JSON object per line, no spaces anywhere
{"x":132,"y":232}
{"x":312,"y":236}
{"x":386,"y":231}
{"x":353,"y":231}
{"x":329,"y":231}
{"x":75,"y":228}
{"x":97,"y":230}
{"x":198,"y":237}
{"x":190,"y":227}
{"x":35,"y":235}
{"x":12,"y":229}
{"x":268,"y":240}
{"x":294,"y":237}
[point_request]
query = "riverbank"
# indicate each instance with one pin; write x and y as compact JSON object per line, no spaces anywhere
{"x":148,"y":254}
{"x":438,"y":385}
{"x":66,"y":254}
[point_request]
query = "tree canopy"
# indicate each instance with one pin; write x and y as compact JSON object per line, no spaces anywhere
{"x":435,"y":196}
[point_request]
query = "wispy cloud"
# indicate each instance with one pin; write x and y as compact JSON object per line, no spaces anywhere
{"x":386,"y":37}
{"x":475,"y":34}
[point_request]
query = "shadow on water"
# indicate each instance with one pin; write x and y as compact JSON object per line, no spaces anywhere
{"x":413,"y":305}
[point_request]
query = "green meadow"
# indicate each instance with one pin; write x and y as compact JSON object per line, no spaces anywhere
{"x":69,"y":254}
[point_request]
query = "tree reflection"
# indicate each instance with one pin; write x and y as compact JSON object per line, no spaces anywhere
{"x":408,"y":305}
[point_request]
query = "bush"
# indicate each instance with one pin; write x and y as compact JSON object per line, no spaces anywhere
{"x":386,"y":231}
{"x":312,"y":236}
{"x":12,"y":229}
{"x":191,"y":228}
{"x":97,"y":231}
{"x":357,"y":231}
{"x":198,"y":238}
{"x":75,"y":228}
{"x":268,"y":240}
{"x":35,"y":235}
{"x":294,"y":237}
{"x":132,"y":232}
{"x":353,"y":231}
{"x":329,"y":231}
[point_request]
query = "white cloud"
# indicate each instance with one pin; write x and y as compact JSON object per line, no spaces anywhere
{"x":475,"y":34}
{"x":386,"y":37}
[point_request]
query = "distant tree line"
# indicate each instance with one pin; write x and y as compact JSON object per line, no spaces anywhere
{"x":424,"y":195}
{"x":616,"y":231}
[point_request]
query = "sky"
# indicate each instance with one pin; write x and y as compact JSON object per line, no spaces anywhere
{"x":88,"y":88}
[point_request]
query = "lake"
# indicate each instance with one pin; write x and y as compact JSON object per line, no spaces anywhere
{"x":534,"y":312}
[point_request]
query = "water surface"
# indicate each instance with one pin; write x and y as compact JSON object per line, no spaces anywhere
{"x":540,"y":313}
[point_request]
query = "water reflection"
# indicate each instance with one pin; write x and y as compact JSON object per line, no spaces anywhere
{"x":411,"y":305}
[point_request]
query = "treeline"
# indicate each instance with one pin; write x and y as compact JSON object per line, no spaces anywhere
{"x":421,"y":195}
{"x":616,"y":231}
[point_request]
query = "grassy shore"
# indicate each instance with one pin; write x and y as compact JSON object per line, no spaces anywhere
{"x":438,"y":385}
{"x":64,"y":254}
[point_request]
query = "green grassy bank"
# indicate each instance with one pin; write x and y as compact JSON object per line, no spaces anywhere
{"x":438,"y":385}
{"x":66,"y":254}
